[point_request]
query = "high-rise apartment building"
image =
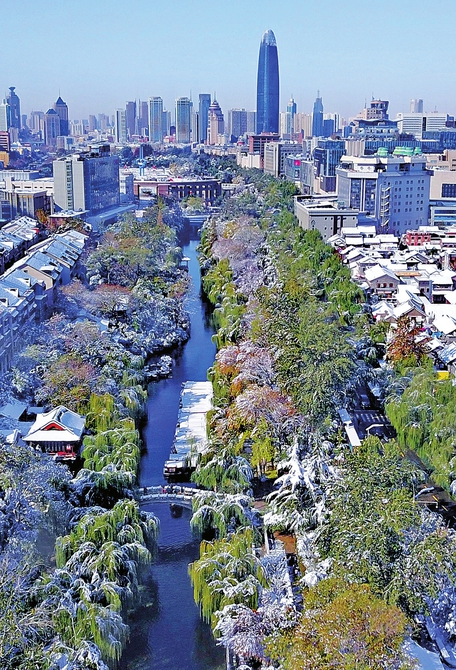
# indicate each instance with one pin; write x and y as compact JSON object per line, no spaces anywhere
{"x":286,"y":125}
{"x":130,"y":118}
{"x":155,"y":124}
{"x":267,"y":120}
{"x":87,"y":181}
{"x":14,"y":109}
{"x":203,"y":116}
{"x":317,"y":117}
{"x":61,"y":108}
{"x":51,"y":128}
{"x":302,"y":123}
{"x":216,"y":123}
{"x":92,"y":122}
{"x":120,"y":126}
{"x":183,"y":120}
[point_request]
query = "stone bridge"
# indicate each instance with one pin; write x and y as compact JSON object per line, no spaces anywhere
{"x":182,"y":495}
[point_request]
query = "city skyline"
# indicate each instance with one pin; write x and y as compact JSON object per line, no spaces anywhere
{"x":104,"y":61}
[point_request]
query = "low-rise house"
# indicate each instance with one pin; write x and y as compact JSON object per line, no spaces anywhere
{"x":57,"y":433}
{"x":381,"y":281}
{"x":28,"y":286}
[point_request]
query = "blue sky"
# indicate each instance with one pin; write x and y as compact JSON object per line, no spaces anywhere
{"x":100,"y":53}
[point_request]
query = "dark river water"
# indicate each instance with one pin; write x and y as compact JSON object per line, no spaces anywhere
{"x":166,"y":630}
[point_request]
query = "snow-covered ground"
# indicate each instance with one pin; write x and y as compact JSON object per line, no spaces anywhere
{"x":427,"y":659}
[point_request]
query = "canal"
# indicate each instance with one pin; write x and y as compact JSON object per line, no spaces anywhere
{"x":166,"y":630}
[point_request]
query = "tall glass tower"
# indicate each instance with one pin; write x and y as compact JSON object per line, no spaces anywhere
{"x":317,"y":117}
{"x":62,"y":111}
{"x":268,"y":85}
{"x":203,"y":116}
{"x":14,"y":109}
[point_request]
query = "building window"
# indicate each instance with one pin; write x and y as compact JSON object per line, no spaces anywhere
{"x":448,"y":190}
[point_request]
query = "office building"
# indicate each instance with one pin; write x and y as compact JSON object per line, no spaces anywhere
{"x":378,"y":109}
{"x":4,"y":116}
{"x":37,"y":122}
{"x":275,"y":155}
{"x":203,"y":117}
{"x":92,"y":123}
{"x":103,"y":121}
{"x":302,"y":123}
{"x":417,"y":123}
{"x":14,"y":109}
{"x":317,"y":117}
{"x":120,"y":126}
{"x":51,"y":128}
{"x":268,"y":86}
{"x":142,"y":121}
{"x":237,"y":123}
{"x":324,"y":215}
{"x":292,"y":107}
{"x":62,"y":112}
{"x":183,"y":120}
{"x":416,"y":106}
{"x":76,"y":128}
{"x":285,"y":125}
{"x":216,"y":123}
{"x":87,"y":181}
{"x":166,"y":123}
{"x":155,"y":123}
{"x":393,"y":190}
{"x":130,"y":118}
{"x":251,"y":122}
{"x":326,"y":158}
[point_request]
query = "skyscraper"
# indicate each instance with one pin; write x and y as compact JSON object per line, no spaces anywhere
{"x":203,"y":116}
{"x":130,"y":118}
{"x":216,"y":123}
{"x":156,"y":119}
{"x":317,"y":117}
{"x":268,"y":85}
{"x":51,"y":128}
{"x":4,"y":116}
{"x":183,"y":120}
{"x":416,"y":106}
{"x":62,"y":112}
{"x":237,"y":123}
{"x":142,"y":121}
{"x":14,"y":109}
{"x":292,"y":108}
{"x":120,"y":126}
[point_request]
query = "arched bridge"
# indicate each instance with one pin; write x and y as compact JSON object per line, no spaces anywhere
{"x":181,"y":495}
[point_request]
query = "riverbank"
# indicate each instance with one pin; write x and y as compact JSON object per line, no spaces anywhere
{"x":90,"y":357}
{"x":167,"y":631}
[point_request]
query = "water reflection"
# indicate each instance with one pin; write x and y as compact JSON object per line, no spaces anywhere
{"x":166,"y":630}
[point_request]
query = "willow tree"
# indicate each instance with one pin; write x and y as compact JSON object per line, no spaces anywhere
{"x":223,"y":472}
{"x":223,"y":514}
{"x":227,"y":572}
